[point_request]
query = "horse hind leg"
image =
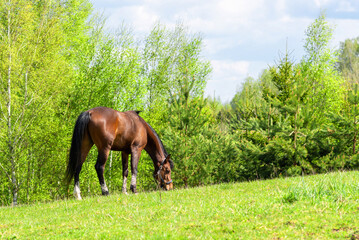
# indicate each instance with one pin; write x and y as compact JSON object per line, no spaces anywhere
{"x":100,"y":168}
{"x":85,"y":148}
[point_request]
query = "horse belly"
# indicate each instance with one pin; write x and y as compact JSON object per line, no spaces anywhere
{"x":121,"y":144}
{"x":129,"y":140}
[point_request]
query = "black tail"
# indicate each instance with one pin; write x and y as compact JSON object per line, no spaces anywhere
{"x":75,"y":151}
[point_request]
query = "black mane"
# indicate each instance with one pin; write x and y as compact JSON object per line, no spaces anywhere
{"x":159,"y":140}
{"x":161,"y":144}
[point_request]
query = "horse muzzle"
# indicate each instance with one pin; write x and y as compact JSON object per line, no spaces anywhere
{"x":169,"y":185}
{"x":166,"y":185}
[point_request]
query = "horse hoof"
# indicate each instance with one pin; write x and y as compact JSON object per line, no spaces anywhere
{"x":78,"y":196}
{"x":105,"y":193}
{"x":133,"y":189}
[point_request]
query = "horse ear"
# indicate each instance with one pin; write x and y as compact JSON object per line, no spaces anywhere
{"x":168,"y":159}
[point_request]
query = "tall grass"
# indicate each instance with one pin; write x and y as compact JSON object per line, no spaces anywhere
{"x":332,"y":188}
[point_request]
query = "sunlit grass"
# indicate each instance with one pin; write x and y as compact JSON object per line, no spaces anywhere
{"x":314,"y":207}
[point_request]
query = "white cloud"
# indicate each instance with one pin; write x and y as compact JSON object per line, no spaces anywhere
{"x":224,"y":68}
{"x":321,"y":3}
{"x":240,"y":36}
{"x":345,"y":6}
{"x":228,"y":77}
{"x":280,"y":6}
{"x":344,"y":29}
{"x":139,"y":16}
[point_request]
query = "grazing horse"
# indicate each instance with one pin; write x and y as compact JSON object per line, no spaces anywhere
{"x":109,"y":130}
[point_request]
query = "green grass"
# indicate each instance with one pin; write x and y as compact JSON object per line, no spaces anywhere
{"x":313,"y":207}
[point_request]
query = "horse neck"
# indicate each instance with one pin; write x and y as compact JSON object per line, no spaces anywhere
{"x":154,"y":147}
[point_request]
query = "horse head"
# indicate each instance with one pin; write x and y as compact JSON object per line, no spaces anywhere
{"x":163,"y":174}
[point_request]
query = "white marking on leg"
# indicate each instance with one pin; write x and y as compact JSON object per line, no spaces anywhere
{"x":104,"y":188}
{"x":133,"y":180}
{"x":77,"y":192}
{"x":124,"y":185}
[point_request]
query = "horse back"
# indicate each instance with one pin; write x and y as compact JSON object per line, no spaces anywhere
{"x":121,"y":131}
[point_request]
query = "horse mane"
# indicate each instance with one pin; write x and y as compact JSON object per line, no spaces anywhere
{"x":161,"y":144}
{"x":158,"y":139}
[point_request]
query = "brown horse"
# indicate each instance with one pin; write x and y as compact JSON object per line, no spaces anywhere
{"x":109,"y":130}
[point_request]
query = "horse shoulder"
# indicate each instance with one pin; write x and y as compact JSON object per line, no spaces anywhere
{"x":141,"y":130}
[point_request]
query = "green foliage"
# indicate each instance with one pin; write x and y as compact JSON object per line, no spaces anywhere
{"x":283,"y":76}
{"x":300,"y":111}
{"x":35,"y":76}
{"x":188,"y":123}
{"x":57,"y":61}
{"x":348,"y":62}
{"x":108,"y":72}
{"x":324,"y":83}
{"x":172,"y":60}
{"x":246,"y":102}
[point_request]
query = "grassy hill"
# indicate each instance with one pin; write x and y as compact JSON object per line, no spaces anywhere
{"x":313,"y":207}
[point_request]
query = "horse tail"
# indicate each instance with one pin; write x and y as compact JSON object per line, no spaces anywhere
{"x":76,"y":143}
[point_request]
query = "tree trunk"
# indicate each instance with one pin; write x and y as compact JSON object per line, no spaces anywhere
{"x":14,"y":196}
{"x":110,"y":171}
{"x":355,"y":131}
{"x":9,"y":118}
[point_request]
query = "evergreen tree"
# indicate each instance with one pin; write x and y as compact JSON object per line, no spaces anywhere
{"x":187,"y":115}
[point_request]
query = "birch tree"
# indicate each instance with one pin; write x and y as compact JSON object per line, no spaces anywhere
{"x":33,"y":73}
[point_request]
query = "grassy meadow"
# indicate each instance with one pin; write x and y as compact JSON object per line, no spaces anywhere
{"x":311,"y":207}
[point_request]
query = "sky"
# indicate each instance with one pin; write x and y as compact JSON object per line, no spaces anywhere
{"x":241,"y":37}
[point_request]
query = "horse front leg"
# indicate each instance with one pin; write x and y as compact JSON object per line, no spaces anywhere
{"x":100,"y":168}
{"x":124,"y":171}
{"x":135,"y":156}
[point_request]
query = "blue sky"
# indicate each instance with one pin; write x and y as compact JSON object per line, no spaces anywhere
{"x":241,"y":37}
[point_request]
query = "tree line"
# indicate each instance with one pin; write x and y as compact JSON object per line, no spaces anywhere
{"x":58,"y":60}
